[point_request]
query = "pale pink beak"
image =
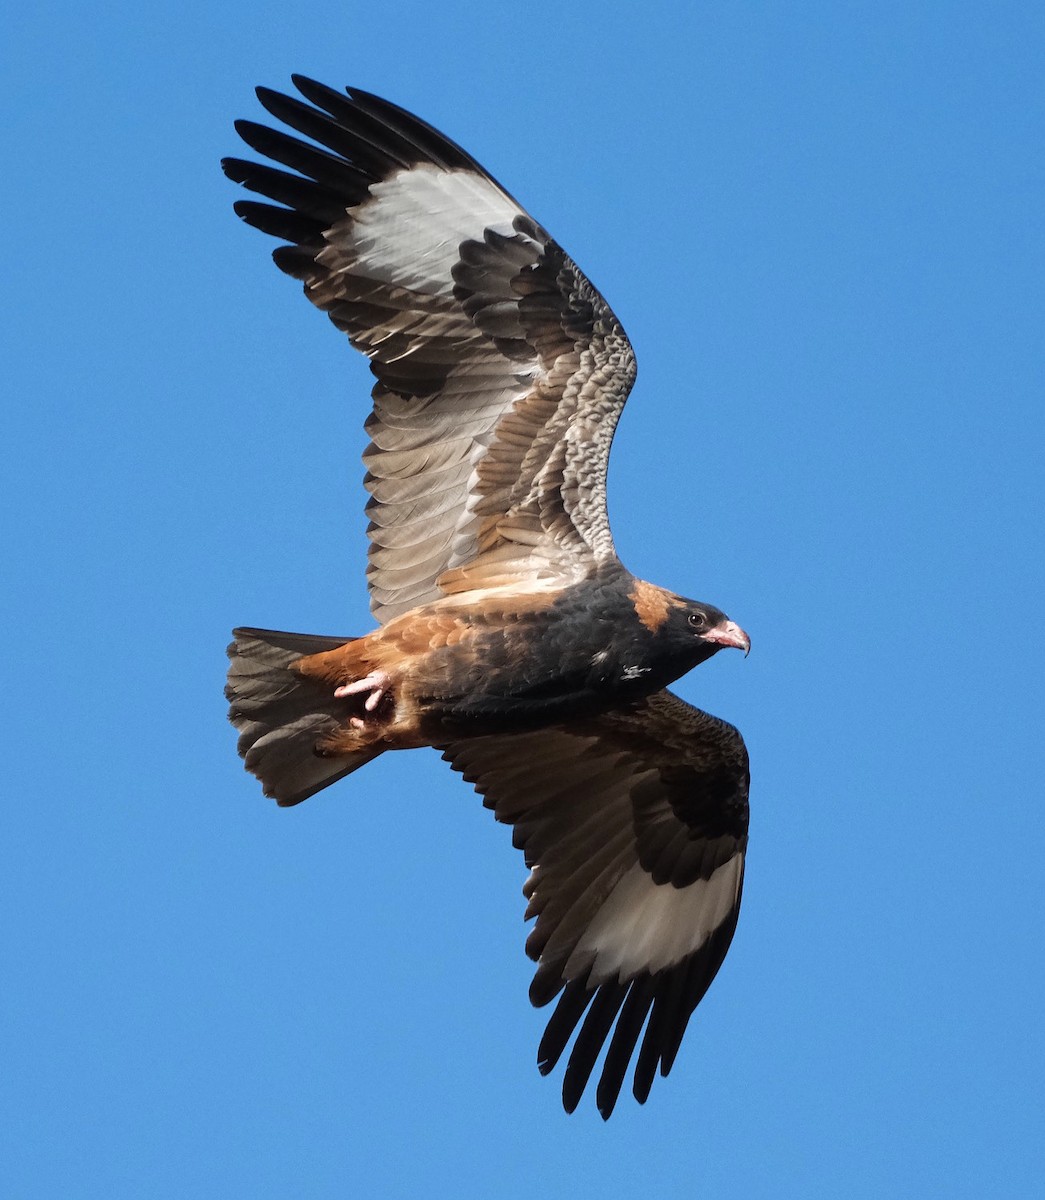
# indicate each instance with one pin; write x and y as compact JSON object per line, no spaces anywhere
{"x":729,"y":633}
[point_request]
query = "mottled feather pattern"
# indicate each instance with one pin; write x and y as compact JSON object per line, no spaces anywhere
{"x":510,"y":637}
{"x":584,"y":801}
{"x":464,"y":306}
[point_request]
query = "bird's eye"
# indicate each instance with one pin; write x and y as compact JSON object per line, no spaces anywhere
{"x":698,"y":619}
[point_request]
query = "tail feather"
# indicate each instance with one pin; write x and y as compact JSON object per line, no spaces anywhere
{"x":281,"y":715}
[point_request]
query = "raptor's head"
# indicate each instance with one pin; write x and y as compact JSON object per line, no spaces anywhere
{"x":684,"y":632}
{"x":694,"y":631}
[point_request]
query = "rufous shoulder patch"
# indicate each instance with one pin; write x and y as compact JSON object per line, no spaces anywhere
{"x":652,"y":604}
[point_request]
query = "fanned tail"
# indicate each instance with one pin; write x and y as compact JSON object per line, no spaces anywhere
{"x":281,"y":715}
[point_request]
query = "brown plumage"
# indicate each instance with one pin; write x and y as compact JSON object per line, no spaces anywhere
{"x":510,"y":636}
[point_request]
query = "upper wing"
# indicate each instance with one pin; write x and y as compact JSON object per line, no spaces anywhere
{"x":501,"y":371}
{"x":634,"y":826}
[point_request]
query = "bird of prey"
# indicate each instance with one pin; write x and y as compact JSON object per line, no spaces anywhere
{"x":510,"y":637}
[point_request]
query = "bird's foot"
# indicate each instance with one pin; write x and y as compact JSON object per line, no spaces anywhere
{"x":376,"y":684}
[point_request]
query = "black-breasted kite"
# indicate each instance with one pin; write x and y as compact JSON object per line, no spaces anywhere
{"x":510,"y":636}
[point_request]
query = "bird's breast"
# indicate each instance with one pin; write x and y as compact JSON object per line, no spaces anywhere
{"x":509,"y":665}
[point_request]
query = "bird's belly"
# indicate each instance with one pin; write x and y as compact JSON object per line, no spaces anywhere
{"x":500,"y":704}
{"x":508,"y":662}
{"x":520,"y":682}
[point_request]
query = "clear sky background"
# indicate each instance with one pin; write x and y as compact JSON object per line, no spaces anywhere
{"x":821,"y":225}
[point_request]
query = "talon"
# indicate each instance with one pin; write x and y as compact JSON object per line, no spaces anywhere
{"x":376,"y":683}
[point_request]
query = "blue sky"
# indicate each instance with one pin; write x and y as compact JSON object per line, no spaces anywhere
{"x":821,"y":226}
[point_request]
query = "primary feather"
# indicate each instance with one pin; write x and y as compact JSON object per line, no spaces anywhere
{"x":511,"y":637}
{"x":501,"y":371}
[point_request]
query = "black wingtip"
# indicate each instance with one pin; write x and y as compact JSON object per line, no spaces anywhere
{"x":568,"y":1012}
{"x":317,"y":92}
{"x":592,"y":1037}
{"x":288,"y":109}
{"x":236,"y":169}
{"x":256,"y":136}
{"x":265,"y":94}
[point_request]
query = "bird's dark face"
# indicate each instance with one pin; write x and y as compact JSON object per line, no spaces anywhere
{"x":696,"y":631}
{"x":675,"y":634}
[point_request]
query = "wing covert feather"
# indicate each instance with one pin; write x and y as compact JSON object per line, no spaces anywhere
{"x":501,"y":371}
{"x":634,"y":826}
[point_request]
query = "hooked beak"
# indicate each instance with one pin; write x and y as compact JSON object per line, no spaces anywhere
{"x":729,"y":633}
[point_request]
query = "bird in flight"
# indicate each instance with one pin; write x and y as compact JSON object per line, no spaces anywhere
{"x":510,"y":636}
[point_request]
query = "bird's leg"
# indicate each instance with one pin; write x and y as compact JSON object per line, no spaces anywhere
{"x":376,"y":683}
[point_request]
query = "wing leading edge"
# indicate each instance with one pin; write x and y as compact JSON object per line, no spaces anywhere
{"x":634,"y":826}
{"x":501,"y":371}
